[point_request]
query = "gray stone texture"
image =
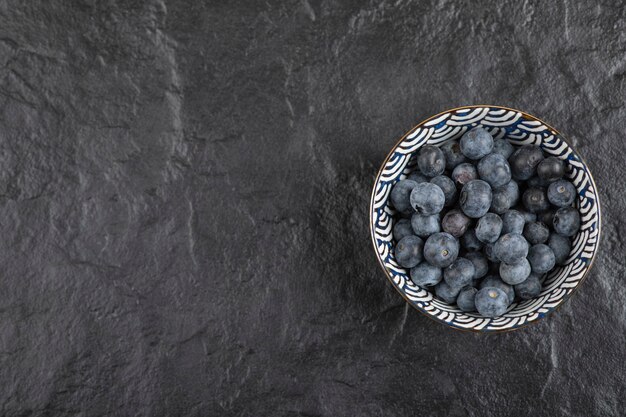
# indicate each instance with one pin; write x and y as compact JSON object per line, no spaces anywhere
{"x":184,"y":190}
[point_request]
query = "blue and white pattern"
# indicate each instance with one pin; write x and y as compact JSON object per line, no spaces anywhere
{"x":520,"y":129}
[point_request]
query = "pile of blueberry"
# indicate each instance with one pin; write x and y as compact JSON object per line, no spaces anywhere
{"x":463,"y":229}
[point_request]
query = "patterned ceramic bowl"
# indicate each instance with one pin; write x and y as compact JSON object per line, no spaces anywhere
{"x":519,"y":128}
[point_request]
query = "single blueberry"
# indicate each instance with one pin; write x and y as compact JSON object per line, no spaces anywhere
{"x":503,"y":147}
{"x":535,"y":200}
{"x":417,"y":177}
{"x":464,"y":173}
{"x":536,"y":232}
{"x":400,"y":195}
{"x":551,"y":169}
{"x":524,"y":161}
{"x":427,"y":198}
{"x":409,"y":251}
{"x":561,"y":247}
{"x":481,"y":266}
{"x":541,"y":258}
{"x":446,"y":292}
{"x":515,"y":273}
{"x":495,"y":281}
{"x":401,"y":229}
{"x":510,"y":248}
{"x":491,"y":302}
{"x":566,"y":221}
{"x":460,"y":273}
{"x":489,"y":228}
{"x":425,"y":225}
{"x":476,"y":143}
{"x":512,"y":222}
{"x":455,"y":222}
{"x":561,"y":193}
{"x":431,"y":161}
{"x":494,"y":169}
{"x":475,"y":198}
{"x":528,"y":289}
{"x":465,"y":299}
{"x":452,"y":152}
{"x":505,"y":197}
{"x":470,"y":242}
{"x":441,"y":249}
{"x":426,"y":275}
{"x":448,"y":187}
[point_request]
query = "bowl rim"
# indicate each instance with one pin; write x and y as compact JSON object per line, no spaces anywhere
{"x":530,"y":117}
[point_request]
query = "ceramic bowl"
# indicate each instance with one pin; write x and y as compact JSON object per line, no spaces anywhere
{"x":519,"y":128}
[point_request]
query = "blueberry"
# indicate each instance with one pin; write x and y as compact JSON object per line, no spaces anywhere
{"x":417,"y":177}
{"x":546,"y":217}
{"x":481,"y":266}
{"x":452,"y":152}
{"x":491,"y":302}
{"x":426,"y":275}
{"x":446,"y":292}
{"x":409,"y":251}
{"x":475,"y":198}
{"x":455,"y":222}
{"x":465,"y":299}
{"x":400,"y":195}
{"x":441,"y":249}
{"x":464,"y":173}
{"x":401,"y":229}
{"x":566,"y":221}
{"x":495,"y":281}
{"x":524,"y":161}
{"x":512,"y":222}
{"x":561,"y":193}
{"x":494,"y":169}
{"x":460,"y":273}
{"x":510,"y":248}
{"x":448,"y":187}
{"x":528,"y":216}
{"x":489,"y":252}
{"x":470,"y":242}
{"x":489,"y":228}
{"x":551,"y":169}
{"x":504,"y":197}
{"x":503,"y":147}
{"x":535,"y":200}
{"x":427,"y":198}
{"x":515,"y":273}
{"x":431,"y":161}
{"x":425,"y":225}
{"x":561,"y":246}
{"x":476,"y":143}
{"x":528,"y":289}
{"x":536,"y":232}
{"x":541,"y":258}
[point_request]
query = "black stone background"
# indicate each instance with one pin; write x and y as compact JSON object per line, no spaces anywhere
{"x":184,"y":189}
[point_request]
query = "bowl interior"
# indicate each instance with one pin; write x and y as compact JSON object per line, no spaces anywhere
{"x":518,"y":128}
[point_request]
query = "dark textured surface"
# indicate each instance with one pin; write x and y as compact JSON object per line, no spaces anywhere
{"x":183,"y":206}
